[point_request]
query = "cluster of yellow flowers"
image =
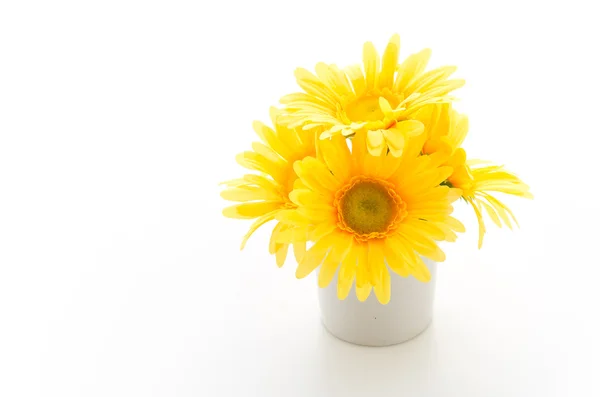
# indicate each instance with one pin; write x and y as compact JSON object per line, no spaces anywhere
{"x":365,"y":163}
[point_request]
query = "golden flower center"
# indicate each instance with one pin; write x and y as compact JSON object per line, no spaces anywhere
{"x":365,"y":109}
{"x":369,"y":208}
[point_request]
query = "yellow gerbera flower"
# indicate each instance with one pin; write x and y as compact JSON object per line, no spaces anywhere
{"x":365,"y":213}
{"x":380,"y":101}
{"x":446,"y":130}
{"x":263,"y":196}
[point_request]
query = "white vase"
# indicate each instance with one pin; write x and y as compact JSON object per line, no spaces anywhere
{"x":370,"y":323}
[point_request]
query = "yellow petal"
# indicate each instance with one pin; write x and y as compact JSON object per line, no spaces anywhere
{"x":281,"y":254}
{"x":322,"y":230}
{"x":375,"y":142}
{"x":362,"y":293}
{"x":292,"y":217}
{"x":316,"y":175}
{"x":250,"y":193}
{"x":251,"y":210}
{"x":383,"y":290}
{"x":376,"y":261}
{"x":336,"y":155}
{"x":389,"y":62}
{"x":395,"y":140}
{"x":430,"y":250}
{"x":359,"y":151}
{"x":371,"y":64}
{"x":333,"y":78}
{"x":493,"y":215}
{"x":299,"y":251}
{"x":389,"y":166}
{"x":412,"y":67}
{"x":262,"y":182}
{"x":314,"y":86}
{"x":425,"y":228}
{"x":373,"y":164}
{"x":347,"y":273}
{"x":308,"y":198}
{"x":499,"y":209}
{"x":257,"y":162}
{"x":385,"y":106}
{"x":315,"y":255}
{"x":454,"y":194}
{"x":268,"y":153}
{"x":437,"y":93}
{"x":294,"y":234}
{"x":268,"y":136}
{"x":458,"y":132}
{"x":334,"y":258}
{"x":428,"y":80}
{"x":455,"y":224}
{"x":410,"y":128}
{"x":420,"y":270}
{"x":258,"y":223}
{"x":395,"y":257}
{"x":317,"y":215}
{"x":435,"y":253}
{"x":479,"y":221}
{"x":275,"y":235}
{"x":343,"y":288}
{"x":362,"y":258}
{"x":357,"y":79}
{"x":416,"y":267}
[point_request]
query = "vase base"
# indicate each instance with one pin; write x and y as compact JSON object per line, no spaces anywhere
{"x":369,"y":323}
{"x":372,"y":342}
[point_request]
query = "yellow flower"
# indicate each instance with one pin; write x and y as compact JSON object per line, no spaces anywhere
{"x":381,"y":101}
{"x":365,"y":213}
{"x":446,"y":130}
{"x":263,"y":196}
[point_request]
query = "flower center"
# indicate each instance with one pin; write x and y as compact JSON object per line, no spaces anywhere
{"x":369,"y":208}
{"x":365,"y":109}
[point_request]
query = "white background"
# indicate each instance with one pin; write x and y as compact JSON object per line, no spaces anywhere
{"x":120,"y":277}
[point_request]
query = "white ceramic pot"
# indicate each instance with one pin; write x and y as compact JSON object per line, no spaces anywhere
{"x":370,"y":323}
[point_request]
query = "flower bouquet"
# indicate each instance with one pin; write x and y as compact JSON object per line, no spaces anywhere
{"x":359,"y":173}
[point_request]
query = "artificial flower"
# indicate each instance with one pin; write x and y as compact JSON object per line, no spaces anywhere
{"x":263,"y":196}
{"x":380,"y":98}
{"x":444,"y":134}
{"x":366,"y":213}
